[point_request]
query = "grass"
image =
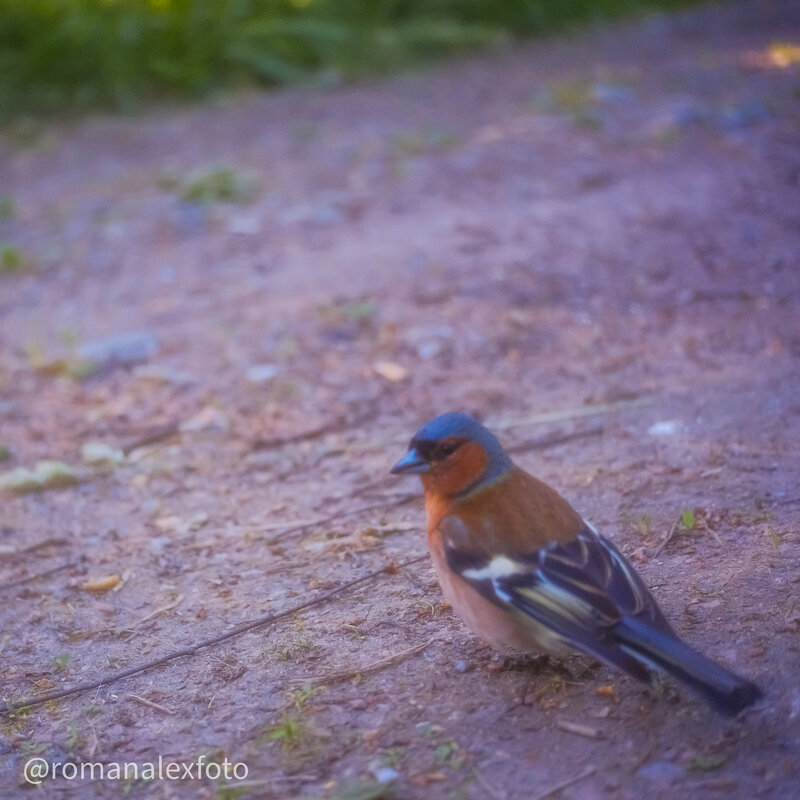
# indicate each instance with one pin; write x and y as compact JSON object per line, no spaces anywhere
{"x":69,"y":55}
{"x":213,"y":185}
{"x":291,"y":731}
{"x":60,"y":662}
{"x":12,"y":260}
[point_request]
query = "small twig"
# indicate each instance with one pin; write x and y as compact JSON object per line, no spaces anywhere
{"x":563,"y":785}
{"x":336,"y":426}
{"x":556,"y":439}
{"x":300,"y":525}
{"x":381,"y":483}
{"x":376,"y":666}
{"x":37,"y":575}
{"x":702,"y":524}
{"x":132,"y":628}
{"x":488,"y":786}
{"x":648,"y":751}
{"x":268,"y":527}
{"x":54,"y":541}
{"x":578,"y":729}
{"x":784,"y":501}
{"x":145,"y":702}
{"x":402,"y":500}
{"x":666,"y":540}
{"x":191,"y":650}
{"x":569,"y":413}
{"x":151,"y":436}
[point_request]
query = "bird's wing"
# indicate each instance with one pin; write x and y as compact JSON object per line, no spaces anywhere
{"x":579,"y":590}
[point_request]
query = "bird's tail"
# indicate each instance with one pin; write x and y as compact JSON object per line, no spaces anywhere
{"x":724,"y":690}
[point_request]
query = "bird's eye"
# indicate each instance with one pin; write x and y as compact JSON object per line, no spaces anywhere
{"x":446,"y":448}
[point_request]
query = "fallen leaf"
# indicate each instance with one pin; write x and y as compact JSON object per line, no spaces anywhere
{"x":208,"y":418}
{"x":101,"y":453}
{"x":424,"y":778}
{"x":19,"y":481}
{"x":390,"y":370}
{"x":182,"y":525}
{"x":45,"y":475}
{"x":52,"y":474}
{"x":101,"y":584}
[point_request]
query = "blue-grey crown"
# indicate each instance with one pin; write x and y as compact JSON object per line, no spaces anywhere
{"x":456,"y":423}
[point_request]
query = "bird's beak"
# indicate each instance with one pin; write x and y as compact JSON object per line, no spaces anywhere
{"x":412,"y":463}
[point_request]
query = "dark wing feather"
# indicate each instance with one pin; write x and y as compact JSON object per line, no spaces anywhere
{"x":579,"y":590}
{"x":593,"y":568}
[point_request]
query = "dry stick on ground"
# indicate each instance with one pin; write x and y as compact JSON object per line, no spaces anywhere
{"x":563,"y":785}
{"x":648,"y":751}
{"x":402,"y":500}
{"x":145,"y":702}
{"x":553,"y":440}
{"x":666,"y":540}
{"x":151,"y":436}
{"x":131,"y":629}
{"x":533,"y":444}
{"x":375,"y":666}
{"x":521,"y":422}
{"x":336,"y":426}
{"x":568,"y":413}
{"x":579,"y":729}
{"x":299,"y":525}
{"x":389,"y":569}
{"x":488,"y":786}
{"x":51,"y":542}
{"x":381,"y":483}
{"x":37,"y":575}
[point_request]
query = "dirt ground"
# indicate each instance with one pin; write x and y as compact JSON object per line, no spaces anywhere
{"x":591,"y":242}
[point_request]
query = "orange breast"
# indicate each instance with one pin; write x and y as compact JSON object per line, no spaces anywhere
{"x":517,"y":514}
{"x":489,"y":622}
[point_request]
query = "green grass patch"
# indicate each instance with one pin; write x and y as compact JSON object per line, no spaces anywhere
{"x":213,"y":185}
{"x":68,"y":55}
{"x":13,"y":261}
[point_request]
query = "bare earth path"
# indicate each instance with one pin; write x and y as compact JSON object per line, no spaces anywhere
{"x":604,"y":230}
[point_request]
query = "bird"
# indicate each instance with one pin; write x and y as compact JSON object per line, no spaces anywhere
{"x":527,"y":573}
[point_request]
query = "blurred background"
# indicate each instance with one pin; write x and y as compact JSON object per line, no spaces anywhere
{"x":247,"y":248}
{"x":64,"y":55}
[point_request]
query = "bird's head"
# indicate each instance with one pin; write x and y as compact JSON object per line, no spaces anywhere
{"x":454,"y":454}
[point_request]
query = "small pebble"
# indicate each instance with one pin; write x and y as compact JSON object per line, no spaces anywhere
{"x":663,"y":429}
{"x":124,"y":349}
{"x":386,"y":775}
{"x":261,"y":373}
{"x":158,"y":544}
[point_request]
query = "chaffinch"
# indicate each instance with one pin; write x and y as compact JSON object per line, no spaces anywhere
{"x":525,"y":571}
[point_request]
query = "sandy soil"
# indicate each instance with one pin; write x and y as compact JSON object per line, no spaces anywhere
{"x":592,"y":243}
